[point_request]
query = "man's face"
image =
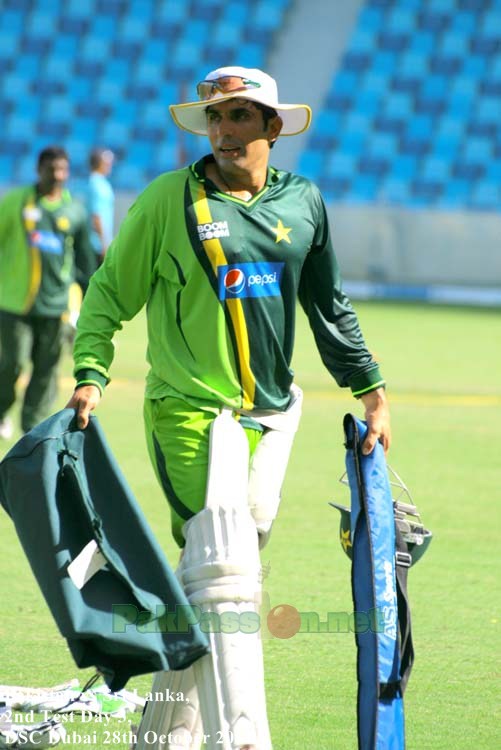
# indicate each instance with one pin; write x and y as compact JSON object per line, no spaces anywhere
{"x":53,"y":172}
{"x":238,"y":135}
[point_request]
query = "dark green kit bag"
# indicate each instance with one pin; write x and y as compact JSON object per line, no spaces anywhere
{"x":64,"y":491}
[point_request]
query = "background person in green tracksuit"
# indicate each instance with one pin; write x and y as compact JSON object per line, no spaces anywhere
{"x":44,"y":246}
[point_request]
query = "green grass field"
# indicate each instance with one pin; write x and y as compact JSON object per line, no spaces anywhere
{"x":442,"y":366}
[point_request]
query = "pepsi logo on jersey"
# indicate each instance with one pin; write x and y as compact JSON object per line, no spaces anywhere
{"x":249,"y":280}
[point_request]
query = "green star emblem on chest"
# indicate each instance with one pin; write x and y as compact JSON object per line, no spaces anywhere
{"x":281,"y":232}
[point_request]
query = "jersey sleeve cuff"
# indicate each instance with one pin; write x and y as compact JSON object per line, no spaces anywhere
{"x":366,"y":382}
{"x":91,"y":377}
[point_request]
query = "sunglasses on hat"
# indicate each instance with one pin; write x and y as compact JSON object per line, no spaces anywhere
{"x":226,"y":85}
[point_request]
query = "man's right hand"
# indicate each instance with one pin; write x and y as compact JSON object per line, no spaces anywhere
{"x":84,"y":400}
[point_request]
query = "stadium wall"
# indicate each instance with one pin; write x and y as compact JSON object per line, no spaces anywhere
{"x":425,"y":255}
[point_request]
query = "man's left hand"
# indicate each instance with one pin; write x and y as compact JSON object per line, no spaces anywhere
{"x":377,"y":416}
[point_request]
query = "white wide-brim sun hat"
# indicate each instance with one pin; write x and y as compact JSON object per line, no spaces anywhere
{"x":192,"y":115}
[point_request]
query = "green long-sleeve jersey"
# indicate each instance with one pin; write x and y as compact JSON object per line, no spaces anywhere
{"x":44,"y":246}
{"x":220,"y":277}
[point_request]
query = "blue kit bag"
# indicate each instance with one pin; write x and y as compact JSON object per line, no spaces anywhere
{"x":64,"y":491}
{"x":382,"y":545}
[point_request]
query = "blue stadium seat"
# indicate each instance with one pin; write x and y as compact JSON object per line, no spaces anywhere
{"x":363,"y":189}
{"x":341,"y":165}
{"x":156,"y":51}
{"x":421,"y":126}
{"x":12,"y":23}
{"x":134,"y":28}
{"x":59,"y":109}
{"x":146,"y":72}
{"x":125,"y":112}
{"x":311,"y":164}
{"x":74,"y":24}
{"x":486,"y":196}
{"x":24,"y":168}
{"x":453,"y":44}
{"x":458,"y":106}
{"x":28,"y":66}
{"x":207,"y":10}
{"x":355,"y":122}
{"x":103,"y":26}
{"x":413,"y":63}
{"x":14,"y":86}
{"x":49,"y":6}
{"x":57,"y":69}
{"x":251,"y":55}
{"x":18,"y":126}
{"x":405,"y":167}
{"x":370,"y":18}
{"x":94,"y":47}
{"x":235,"y":13}
{"x":375,"y":82}
{"x":78,"y":151}
{"x":456,"y":194}
{"x":435,"y":170}
{"x":79,"y":9}
{"x":118,"y":71}
{"x":267,"y":15}
{"x":399,"y":105}
{"x":334,"y":188}
{"x":362,"y":40}
{"x":41,"y":24}
{"x":464,"y":87}
{"x":400,"y":19}
{"x":344,"y":82}
{"x":128,"y":176}
{"x":478,"y":150}
{"x":84,"y":129}
{"x":464,"y":170}
{"x":383,"y":62}
{"x":489,"y":109}
{"x":165,"y":156}
{"x":474,"y":65}
{"x":109,"y":91}
{"x":172,"y":11}
{"x":394,"y":190}
{"x":382,"y":145}
{"x":383,"y":124}
{"x":7,"y":162}
{"x":446,"y":146}
{"x":426,"y":192}
{"x":81,"y":89}
{"x":114,"y":134}
{"x":352,"y":143}
{"x":406,"y":84}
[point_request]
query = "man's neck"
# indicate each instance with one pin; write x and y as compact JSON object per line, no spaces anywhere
{"x":237,"y":183}
{"x":50,"y":192}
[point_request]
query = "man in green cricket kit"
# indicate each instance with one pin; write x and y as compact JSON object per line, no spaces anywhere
{"x":220,"y":251}
{"x":44,"y":245}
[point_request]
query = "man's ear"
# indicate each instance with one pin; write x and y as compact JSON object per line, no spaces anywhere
{"x":274,"y":127}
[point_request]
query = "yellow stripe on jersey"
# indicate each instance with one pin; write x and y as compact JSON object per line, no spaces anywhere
{"x":216,"y":256}
{"x":35,"y":258}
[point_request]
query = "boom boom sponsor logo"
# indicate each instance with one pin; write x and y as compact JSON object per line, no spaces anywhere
{"x":249,"y":280}
{"x":213,"y":230}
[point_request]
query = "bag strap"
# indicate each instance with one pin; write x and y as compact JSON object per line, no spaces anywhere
{"x":404,"y":614}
